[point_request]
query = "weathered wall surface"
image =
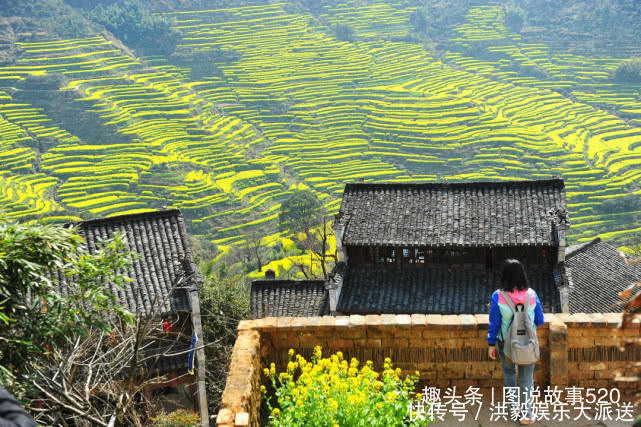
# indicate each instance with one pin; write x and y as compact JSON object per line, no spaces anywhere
{"x":447,"y":350}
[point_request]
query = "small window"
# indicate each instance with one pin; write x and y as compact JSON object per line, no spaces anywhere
{"x":387,"y":255}
{"x":391,"y":256}
{"x":164,"y":391}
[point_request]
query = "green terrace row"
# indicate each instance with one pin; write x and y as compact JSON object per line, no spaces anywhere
{"x":378,"y":18}
{"x":268,"y":82}
{"x":25,"y":195}
{"x":74,"y":58}
{"x":328,"y":112}
{"x":484,"y":23}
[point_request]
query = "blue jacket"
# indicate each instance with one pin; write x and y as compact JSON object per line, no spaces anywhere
{"x":501,"y":313}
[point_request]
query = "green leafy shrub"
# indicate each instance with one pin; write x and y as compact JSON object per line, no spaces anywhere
{"x":31,"y":327}
{"x":331,"y":391}
{"x":300,"y":212}
{"x":418,"y":20}
{"x":224,"y":300}
{"x":137,"y":26}
{"x":629,"y":71}
{"x":514,"y":17}
{"x":344,"y":32}
{"x":179,"y":418}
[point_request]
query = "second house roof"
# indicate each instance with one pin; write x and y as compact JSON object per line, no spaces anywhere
{"x":452,"y":214}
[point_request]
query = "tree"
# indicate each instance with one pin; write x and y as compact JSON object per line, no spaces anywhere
{"x":98,"y":379}
{"x":418,"y":20}
{"x":344,"y":32}
{"x":224,"y":301}
{"x":514,"y":17}
{"x":78,"y":356}
{"x":627,"y":203}
{"x":300,"y":212}
{"x":316,"y":243}
{"x":35,"y":318}
{"x":137,"y":26}
{"x":253,"y":249}
{"x":629,"y":71}
{"x":631,"y":299}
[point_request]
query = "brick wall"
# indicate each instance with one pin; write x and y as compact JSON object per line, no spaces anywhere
{"x":447,"y":350}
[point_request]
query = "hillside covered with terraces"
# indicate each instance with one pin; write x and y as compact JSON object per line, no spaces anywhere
{"x":258,"y":98}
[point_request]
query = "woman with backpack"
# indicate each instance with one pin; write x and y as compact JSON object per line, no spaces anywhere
{"x":516,"y":341}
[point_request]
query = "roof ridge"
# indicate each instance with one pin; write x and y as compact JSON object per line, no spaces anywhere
{"x":289,"y":282}
{"x":581,"y":247}
{"x":446,"y":184}
{"x":130,"y":217}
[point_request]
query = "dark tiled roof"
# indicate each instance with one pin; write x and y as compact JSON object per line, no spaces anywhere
{"x":433,"y":291}
{"x":598,"y":275}
{"x":469,"y":214}
{"x":337,"y":274}
{"x":288,"y":298}
{"x":165,"y":256}
{"x":168,"y":359}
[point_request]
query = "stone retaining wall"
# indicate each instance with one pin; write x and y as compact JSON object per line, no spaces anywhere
{"x":447,"y":350}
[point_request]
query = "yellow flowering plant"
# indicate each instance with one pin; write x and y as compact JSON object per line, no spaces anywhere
{"x":334,"y":392}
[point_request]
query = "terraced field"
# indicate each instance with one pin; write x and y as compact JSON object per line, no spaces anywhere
{"x":296,"y":106}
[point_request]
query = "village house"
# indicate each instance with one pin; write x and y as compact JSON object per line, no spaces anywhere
{"x":165,"y":284}
{"x":438,"y":248}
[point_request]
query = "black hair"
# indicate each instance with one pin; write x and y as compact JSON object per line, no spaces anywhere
{"x":513,"y":276}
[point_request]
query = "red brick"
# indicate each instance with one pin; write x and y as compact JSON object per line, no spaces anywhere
{"x":451,"y":322}
{"x":225,"y":416}
{"x":462,"y":385}
{"x":340,"y":343}
{"x":356,"y":321}
{"x":483,"y":321}
{"x":613,"y":319}
{"x":342,"y":322}
{"x":583,"y":375}
{"x":566,"y":318}
{"x":312,"y":323}
{"x":327,"y":322}
{"x":311,"y":343}
{"x":581,"y":341}
{"x":434,"y":321}
{"x":242,"y":419}
{"x":607,"y":341}
{"x":604,"y":375}
{"x":418,"y":321}
{"x":598,"y":320}
{"x":467,"y":322}
{"x":403,"y":321}
{"x":388,"y":321}
{"x":395,"y":342}
{"x":246,"y":324}
{"x":269,"y":323}
{"x":582,"y":320}
{"x":298,"y":323}
{"x":593,"y":366}
{"x":427,"y":375}
{"x":284,"y":323}
{"x":373,"y":321}
{"x":479,"y":374}
{"x":367,"y":343}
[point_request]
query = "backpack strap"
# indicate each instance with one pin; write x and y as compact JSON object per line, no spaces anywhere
{"x":512,"y":307}
{"x":511,"y":304}
{"x":509,"y":300}
{"x":528,"y":298}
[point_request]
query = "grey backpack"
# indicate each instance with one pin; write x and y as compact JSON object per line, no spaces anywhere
{"x":521,"y":345}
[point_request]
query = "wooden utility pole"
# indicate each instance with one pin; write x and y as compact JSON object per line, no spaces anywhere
{"x":200,"y":354}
